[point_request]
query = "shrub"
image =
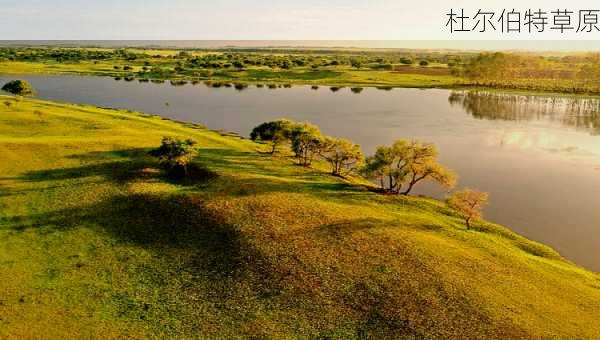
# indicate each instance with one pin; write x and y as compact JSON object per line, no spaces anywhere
{"x":406,"y":61}
{"x":175,"y":154}
{"x":423,"y":63}
{"x":19,"y":87}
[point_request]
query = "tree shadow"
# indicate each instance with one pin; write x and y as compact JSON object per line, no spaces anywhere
{"x":115,"y":166}
{"x":153,"y":221}
{"x":119,"y":167}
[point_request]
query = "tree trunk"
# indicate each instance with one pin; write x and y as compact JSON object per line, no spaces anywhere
{"x":409,"y":189}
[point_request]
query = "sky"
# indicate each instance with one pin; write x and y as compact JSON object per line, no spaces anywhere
{"x":268,"y":20}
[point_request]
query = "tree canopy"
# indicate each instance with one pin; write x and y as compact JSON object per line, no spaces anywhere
{"x":405,"y":164}
{"x":468,"y":203}
{"x":306,"y":142}
{"x":342,"y":154}
{"x":277,"y":132}
{"x":175,"y":154}
{"x":19,"y":87}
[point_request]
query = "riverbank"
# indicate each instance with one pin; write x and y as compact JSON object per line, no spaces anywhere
{"x":327,"y":77}
{"x":97,"y":242}
{"x":383,"y":68}
{"x":411,"y":77}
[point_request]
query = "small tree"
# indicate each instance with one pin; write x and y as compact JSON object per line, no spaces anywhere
{"x":175,"y":154}
{"x":356,"y":63}
{"x":277,"y":132}
{"x":406,"y":61}
{"x":342,"y":154}
{"x":423,"y":63}
{"x":19,"y":87}
{"x":306,"y":142}
{"x":422,"y":165}
{"x":406,"y":164}
{"x":468,"y":203}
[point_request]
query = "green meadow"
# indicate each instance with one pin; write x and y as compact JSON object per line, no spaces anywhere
{"x":95,"y":241}
{"x":555,"y":72}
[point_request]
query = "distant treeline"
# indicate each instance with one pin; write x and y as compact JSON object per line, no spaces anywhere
{"x":223,"y":58}
{"x":579,"y":73}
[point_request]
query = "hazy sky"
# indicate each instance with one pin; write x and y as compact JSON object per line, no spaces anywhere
{"x":260,"y":19}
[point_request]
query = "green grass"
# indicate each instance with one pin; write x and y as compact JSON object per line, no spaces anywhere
{"x":96,"y":242}
{"x":332,"y":76}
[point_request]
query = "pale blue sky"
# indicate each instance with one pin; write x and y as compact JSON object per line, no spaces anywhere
{"x":188,"y":19}
{"x":268,"y":20}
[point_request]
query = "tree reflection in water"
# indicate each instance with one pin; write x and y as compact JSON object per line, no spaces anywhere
{"x":582,"y":113}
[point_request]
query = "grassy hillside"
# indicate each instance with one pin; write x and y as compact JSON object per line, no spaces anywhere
{"x":96,"y":242}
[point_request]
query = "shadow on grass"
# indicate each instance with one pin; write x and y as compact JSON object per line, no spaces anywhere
{"x":119,"y":167}
{"x":155,"y":222}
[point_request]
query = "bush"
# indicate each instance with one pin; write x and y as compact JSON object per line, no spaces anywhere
{"x":423,"y":63}
{"x":407,"y":61}
{"x":175,"y":155}
{"x":19,"y":87}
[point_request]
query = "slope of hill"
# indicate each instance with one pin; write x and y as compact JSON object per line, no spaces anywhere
{"x":94,"y":241}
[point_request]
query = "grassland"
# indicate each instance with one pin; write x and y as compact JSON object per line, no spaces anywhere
{"x":96,"y":242}
{"x":416,"y":77}
{"x":566,"y":73}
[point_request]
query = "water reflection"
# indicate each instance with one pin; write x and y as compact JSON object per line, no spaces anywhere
{"x":580,"y":113}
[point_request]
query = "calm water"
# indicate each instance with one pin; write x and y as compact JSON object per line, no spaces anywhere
{"x":539,"y":157}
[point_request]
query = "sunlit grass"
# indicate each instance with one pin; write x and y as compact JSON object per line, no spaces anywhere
{"x":96,"y":242}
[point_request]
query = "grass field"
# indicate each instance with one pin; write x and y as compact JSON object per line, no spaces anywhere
{"x":333,"y":76}
{"x":568,"y":73}
{"x":96,"y":242}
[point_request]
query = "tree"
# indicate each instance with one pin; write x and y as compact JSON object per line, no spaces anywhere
{"x":175,"y":154}
{"x":341,"y":154}
{"x":356,"y":63}
{"x":423,"y":63}
{"x":19,"y":87}
{"x":277,"y":132}
{"x":406,"y":61}
{"x":406,"y":164}
{"x":468,"y":203}
{"x":306,"y":142}
{"x":422,"y":165}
